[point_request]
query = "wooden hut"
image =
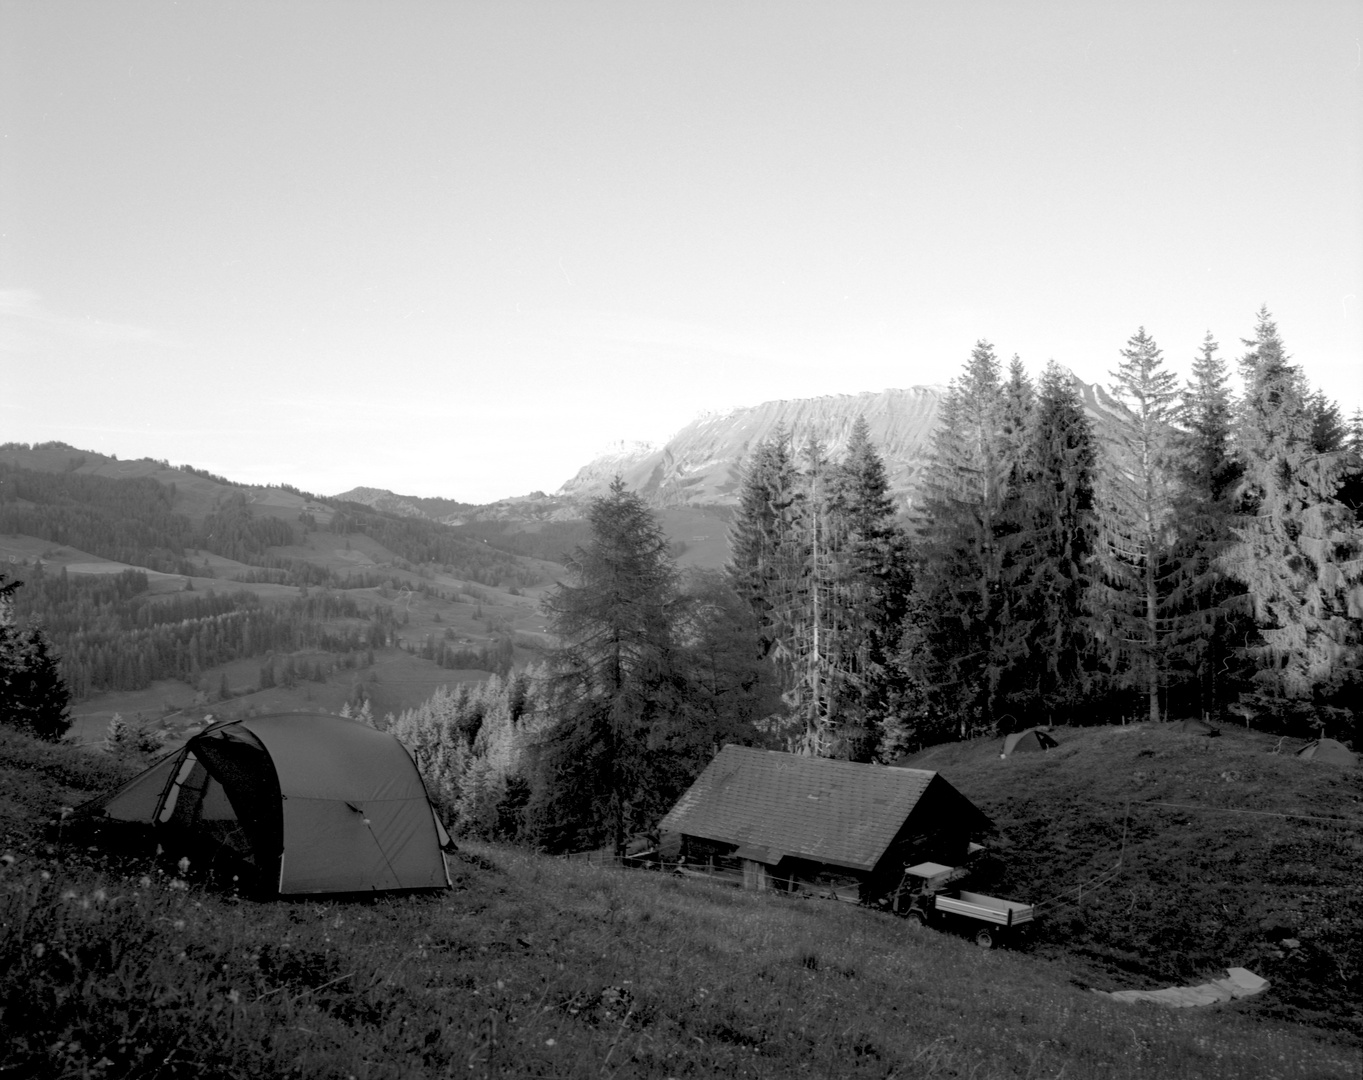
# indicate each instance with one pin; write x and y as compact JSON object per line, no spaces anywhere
{"x":811,"y":824}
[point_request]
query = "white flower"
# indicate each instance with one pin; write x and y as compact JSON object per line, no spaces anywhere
{"x":183,"y":865}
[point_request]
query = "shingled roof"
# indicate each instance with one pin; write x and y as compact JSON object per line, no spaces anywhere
{"x":774,"y":804}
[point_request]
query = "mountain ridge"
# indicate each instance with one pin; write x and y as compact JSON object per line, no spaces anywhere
{"x":700,"y":465}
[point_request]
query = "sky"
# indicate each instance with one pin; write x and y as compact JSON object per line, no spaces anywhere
{"x":458,"y":249}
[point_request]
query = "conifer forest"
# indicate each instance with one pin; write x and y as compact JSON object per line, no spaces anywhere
{"x":1203,"y":562}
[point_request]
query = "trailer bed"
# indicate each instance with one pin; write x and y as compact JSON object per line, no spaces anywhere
{"x":983,"y":908}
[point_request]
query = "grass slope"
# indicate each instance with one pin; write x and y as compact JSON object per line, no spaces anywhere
{"x":1259,"y":849}
{"x":536,"y":967}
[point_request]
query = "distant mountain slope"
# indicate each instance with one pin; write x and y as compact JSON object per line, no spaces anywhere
{"x":442,"y":510}
{"x":700,"y":464}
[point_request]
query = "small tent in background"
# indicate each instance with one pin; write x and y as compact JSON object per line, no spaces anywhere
{"x":301,"y":803}
{"x":1329,"y":751}
{"x":1021,"y":742}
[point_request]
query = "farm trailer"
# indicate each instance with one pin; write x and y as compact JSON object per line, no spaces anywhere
{"x":924,"y":898}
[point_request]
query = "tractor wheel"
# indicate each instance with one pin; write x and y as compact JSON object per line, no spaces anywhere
{"x":984,"y":939}
{"x":917,"y":917}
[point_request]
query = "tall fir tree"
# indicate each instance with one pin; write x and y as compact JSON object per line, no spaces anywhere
{"x":1135,"y":512}
{"x":806,"y":620}
{"x":1049,"y":558}
{"x":732,"y":687}
{"x":765,"y":563}
{"x":869,"y":591}
{"x":819,"y":558}
{"x":608,"y":766}
{"x":1298,"y":549}
{"x":1202,"y":597}
{"x":959,"y":658}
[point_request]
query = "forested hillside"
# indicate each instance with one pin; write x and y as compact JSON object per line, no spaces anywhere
{"x":1204,"y":559}
{"x":142,"y":575}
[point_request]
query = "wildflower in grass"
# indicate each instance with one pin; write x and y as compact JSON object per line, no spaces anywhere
{"x":178,"y":885}
{"x":179,"y":924}
{"x":234,"y":996}
{"x":99,"y":896}
{"x":46,"y":875}
{"x":145,"y":882}
{"x":39,"y":949}
{"x":548,"y":1042}
{"x":183,"y":865}
{"x":70,"y":894}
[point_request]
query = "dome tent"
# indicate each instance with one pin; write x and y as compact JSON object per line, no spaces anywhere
{"x":1029,"y":740}
{"x":1330,"y":751}
{"x":303,"y":803}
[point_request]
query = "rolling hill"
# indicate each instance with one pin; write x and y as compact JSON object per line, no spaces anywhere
{"x":538,"y":966}
{"x":173,"y":594}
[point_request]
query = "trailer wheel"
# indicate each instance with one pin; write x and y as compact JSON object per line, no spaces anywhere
{"x":984,"y":939}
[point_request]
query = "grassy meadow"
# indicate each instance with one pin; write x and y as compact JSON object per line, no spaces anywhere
{"x":540,"y":967}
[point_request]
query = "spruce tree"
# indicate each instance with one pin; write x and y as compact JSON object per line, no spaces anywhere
{"x":961,"y":650}
{"x":731,"y":687}
{"x":805,"y":619}
{"x":1298,"y":549}
{"x":1329,"y":432}
{"x":765,"y":563}
{"x":609,"y":764}
{"x":33,"y":695}
{"x":131,"y":741}
{"x":1202,"y":598}
{"x":1049,"y":558}
{"x":1355,"y":436}
{"x":869,"y":592}
{"x":820,"y":560}
{"x":1135,"y":515}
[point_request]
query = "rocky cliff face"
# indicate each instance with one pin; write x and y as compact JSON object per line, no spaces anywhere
{"x":699,"y":466}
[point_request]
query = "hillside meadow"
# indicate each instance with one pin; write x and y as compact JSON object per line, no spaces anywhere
{"x":540,"y":967}
{"x":1160,"y":857}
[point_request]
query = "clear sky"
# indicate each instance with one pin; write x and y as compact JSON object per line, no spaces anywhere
{"x":459,"y":248}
